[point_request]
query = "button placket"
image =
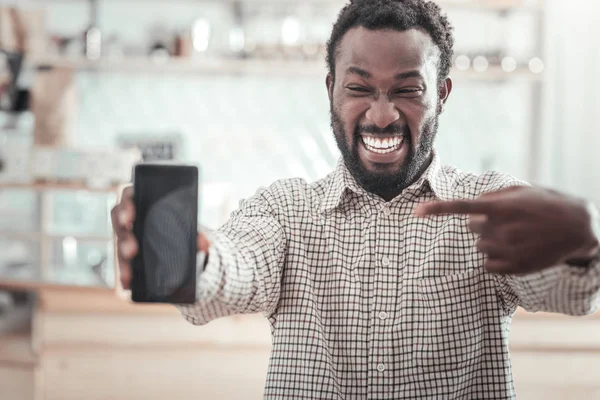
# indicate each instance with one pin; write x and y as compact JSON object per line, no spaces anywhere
{"x":385,"y":261}
{"x":386,"y":211}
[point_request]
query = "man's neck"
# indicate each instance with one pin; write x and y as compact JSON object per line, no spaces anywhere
{"x":392,"y":193}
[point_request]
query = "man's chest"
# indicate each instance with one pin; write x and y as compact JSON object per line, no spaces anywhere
{"x":412,"y":288}
{"x":374,"y":243}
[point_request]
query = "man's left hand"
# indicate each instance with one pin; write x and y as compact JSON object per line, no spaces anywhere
{"x":525,"y":229}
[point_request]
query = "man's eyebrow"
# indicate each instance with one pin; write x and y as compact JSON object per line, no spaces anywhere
{"x":408,"y":74}
{"x":365,"y":74}
{"x":357,"y":71}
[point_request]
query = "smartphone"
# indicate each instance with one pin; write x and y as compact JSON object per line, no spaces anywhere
{"x":165,"y":226}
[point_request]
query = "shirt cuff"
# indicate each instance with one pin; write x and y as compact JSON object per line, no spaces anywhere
{"x":585,"y":263}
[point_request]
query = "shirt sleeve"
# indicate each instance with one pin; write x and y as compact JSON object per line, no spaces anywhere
{"x":561,"y":289}
{"x":245,"y":260}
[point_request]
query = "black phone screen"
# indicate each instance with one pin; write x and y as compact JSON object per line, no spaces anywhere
{"x":165,"y":226}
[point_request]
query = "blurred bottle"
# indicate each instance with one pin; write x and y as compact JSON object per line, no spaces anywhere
{"x":2,"y":145}
{"x":93,"y":35}
{"x":53,"y":102}
{"x":237,"y":34}
{"x":183,"y":44}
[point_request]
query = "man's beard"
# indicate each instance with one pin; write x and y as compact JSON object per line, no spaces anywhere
{"x":386,"y":182}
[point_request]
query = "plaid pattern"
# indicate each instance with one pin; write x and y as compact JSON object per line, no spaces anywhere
{"x":366,"y":301}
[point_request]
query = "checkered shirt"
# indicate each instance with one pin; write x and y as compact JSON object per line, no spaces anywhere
{"x":366,"y":301}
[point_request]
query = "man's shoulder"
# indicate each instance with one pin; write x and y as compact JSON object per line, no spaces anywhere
{"x":294,"y":191}
{"x":465,"y":184}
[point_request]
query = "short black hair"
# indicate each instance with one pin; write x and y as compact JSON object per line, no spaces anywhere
{"x":399,"y":15}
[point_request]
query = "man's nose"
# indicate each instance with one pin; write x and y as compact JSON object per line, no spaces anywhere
{"x":382,"y":113}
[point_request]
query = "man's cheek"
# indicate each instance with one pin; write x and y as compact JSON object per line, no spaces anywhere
{"x":414,"y":136}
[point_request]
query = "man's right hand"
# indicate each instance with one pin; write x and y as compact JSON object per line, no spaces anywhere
{"x":123,"y":216}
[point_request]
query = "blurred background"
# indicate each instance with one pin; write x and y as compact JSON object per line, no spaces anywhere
{"x":89,"y":87}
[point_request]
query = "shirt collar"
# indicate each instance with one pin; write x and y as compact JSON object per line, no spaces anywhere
{"x":341,"y":181}
{"x":438,"y":181}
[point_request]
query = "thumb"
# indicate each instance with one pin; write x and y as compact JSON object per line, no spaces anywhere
{"x":203,"y":243}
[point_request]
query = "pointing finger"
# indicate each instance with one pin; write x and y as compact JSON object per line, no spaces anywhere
{"x":501,"y":266}
{"x":478,"y":224}
{"x":454,"y":207}
{"x":203,"y":243}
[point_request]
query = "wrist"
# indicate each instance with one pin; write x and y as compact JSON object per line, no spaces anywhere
{"x":585,"y":256}
{"x":590,"y":250}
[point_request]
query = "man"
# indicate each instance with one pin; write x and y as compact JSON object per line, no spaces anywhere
{"x":394,"y":276}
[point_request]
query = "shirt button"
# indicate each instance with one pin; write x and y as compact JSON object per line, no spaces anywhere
{"x":385,"y":261}
{"x":381,"y":367}
{"x":386,"y":211}
{"x":383,"y":315}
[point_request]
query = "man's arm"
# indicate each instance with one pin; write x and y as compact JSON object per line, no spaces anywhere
{"x":246,"y":257}
{"x":561,"y":289}
{"x":243,"y":271}
{"x":542,"y":245}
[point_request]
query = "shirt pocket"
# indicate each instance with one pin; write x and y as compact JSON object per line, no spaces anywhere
{"x":448,"y":321}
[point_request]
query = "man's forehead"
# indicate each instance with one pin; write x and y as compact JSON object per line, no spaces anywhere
{"x":409,"y":48}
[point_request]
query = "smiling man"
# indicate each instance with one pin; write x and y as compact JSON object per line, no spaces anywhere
{"x":395,"y":276}
{"x":386,"y":97}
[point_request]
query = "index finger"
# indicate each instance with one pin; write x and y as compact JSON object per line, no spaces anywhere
{"x":127,"y":193}
{"x":464,"y":207}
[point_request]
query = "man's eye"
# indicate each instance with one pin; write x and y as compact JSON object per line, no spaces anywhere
{"x":358,"y":89}
{"x":409,"y":91}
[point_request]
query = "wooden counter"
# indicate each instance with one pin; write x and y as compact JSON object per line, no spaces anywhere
{"x":93,"y":345}
{"x":90,"y":344}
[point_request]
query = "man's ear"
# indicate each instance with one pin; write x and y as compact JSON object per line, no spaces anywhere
{"x":443,"y":94}
{"x":329,"y":83}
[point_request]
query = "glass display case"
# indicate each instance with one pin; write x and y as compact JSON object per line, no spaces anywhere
{"x":53,"y":234}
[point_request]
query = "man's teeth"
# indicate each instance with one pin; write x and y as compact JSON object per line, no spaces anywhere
{"x":382,"y":145}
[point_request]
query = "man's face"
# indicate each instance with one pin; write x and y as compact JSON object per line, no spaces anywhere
{"x":385,"y":103}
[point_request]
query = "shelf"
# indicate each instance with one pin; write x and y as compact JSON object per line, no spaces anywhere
{"x":180,"y":65}
{"x":238,"y":66}
{"x":470,"y":4}
{"x":14,"y":284}
{"x":38,"y":236}
{"x":495,"y":74}
{"x":43,"y":186}
{"x":107,"y":301}
{"x":493,"y":5}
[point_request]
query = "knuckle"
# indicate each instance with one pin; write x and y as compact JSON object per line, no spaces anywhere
{"x":473,"y":226}
{"x":481,"y":245}
{"x":474,"y":221}
{"x":114,"y":213}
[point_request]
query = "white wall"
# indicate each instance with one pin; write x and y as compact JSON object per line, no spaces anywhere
{"x":571,"y":134}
